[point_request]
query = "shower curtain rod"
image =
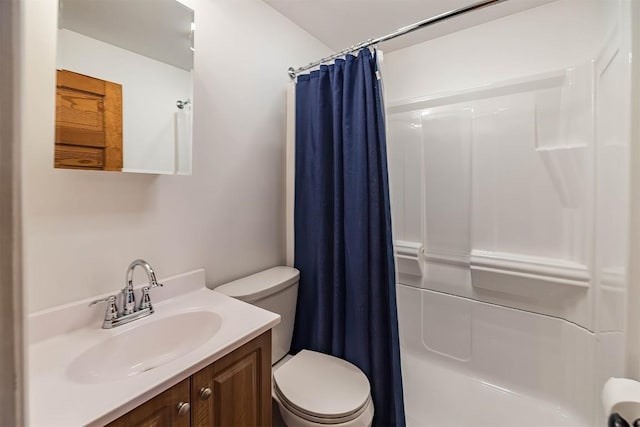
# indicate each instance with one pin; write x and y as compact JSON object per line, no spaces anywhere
{"x":293,"y":72}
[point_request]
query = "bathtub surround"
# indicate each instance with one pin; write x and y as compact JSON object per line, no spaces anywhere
{"x":343,"y":242}
{"x":491,"y":365}
{"x":510,"y":190}
{"x":228,"y":217}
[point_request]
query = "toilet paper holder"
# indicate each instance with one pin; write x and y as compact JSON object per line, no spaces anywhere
{"x":622,"y":396}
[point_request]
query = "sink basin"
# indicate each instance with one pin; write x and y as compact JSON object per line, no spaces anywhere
{"x":144,"y":348}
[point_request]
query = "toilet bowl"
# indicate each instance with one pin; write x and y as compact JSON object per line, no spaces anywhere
{"x":311,"y":389}
{"x":314,"y":389}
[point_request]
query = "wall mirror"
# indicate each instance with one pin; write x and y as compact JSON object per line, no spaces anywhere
{"x":124,"y":86}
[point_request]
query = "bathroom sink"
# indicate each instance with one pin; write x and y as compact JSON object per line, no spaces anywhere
{"x":143,"y":348}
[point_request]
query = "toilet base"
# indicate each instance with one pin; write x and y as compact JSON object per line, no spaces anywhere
{"x":286,"y":418}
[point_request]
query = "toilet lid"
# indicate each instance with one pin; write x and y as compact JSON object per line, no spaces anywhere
{"x":322,"y":386}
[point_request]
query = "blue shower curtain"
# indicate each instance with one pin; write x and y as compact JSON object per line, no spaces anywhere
{"x":343,"y":243}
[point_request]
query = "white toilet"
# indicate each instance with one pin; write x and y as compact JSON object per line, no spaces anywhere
{"x":311,"y":389}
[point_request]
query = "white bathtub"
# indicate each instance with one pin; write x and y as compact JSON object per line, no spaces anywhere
{"x":468,"y":363}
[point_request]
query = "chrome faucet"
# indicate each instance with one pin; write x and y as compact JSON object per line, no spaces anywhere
{"x":113,"y":317}
{"x":129,"y":297}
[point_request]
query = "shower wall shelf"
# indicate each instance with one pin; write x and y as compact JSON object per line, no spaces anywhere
{"x":409,"y":262}
{"x":532,"y":277}
{"x":451,"y":258}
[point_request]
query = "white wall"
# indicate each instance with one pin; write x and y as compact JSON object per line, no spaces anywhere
{"x":150,"y":89}
{"x":81,"y":229}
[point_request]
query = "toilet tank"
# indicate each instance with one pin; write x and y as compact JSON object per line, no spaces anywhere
{"x":276,"y":290}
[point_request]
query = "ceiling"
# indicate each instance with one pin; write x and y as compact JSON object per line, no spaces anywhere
{"x":158,"y":29}
{"x":342,"y":23}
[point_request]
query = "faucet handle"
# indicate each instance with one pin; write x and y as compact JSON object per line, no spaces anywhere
{"x":145,"y":299}
{"x":112,"y":308}
{"x":110,"y":299}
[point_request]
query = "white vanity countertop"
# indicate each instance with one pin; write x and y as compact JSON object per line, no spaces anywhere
{"x":57,"y":338}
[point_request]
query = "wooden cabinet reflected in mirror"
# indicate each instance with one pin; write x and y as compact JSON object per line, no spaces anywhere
{"x":125,"y":85}
{"x":88,"y":123}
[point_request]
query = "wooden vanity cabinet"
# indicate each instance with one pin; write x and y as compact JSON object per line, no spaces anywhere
{"x":234,"y":391}
{"x":162,"y":410}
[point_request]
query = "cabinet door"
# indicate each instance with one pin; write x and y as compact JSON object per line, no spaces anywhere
{"x":161,"y":411}
{"x":235,"y":390}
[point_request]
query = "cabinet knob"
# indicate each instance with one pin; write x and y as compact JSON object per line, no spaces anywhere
{"x":205,"y":393}
{"x":183,"y":408}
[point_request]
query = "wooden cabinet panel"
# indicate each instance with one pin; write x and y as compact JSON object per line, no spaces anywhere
{"x":69,"y":156}
{"x":79,"y":118}
{"x":241,"y":388}
{"x":80,"y":82}
{"x":88,"y":114}
{"x":161,"y":411}
{"x":113,"y":127}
